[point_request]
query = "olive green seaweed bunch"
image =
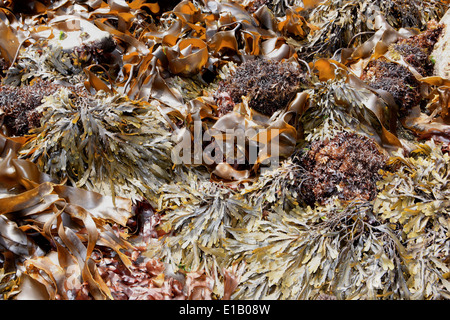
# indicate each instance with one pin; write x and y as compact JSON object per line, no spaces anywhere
{"x":335,"y":250}
{"x":415,"y":198}
{"x":279,"y":7}
{"x":197,"y":216}
{"x":276,"y":187}
{"x":394,"y":247}
{"x":45,"y":62}
{"x":104,"y":143}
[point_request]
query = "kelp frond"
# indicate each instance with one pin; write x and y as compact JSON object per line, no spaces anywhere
{"x":9,"y":284}
{"x":39,"y":216}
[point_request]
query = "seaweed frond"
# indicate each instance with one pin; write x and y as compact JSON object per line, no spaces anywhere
{"x":9,"y":284}
{"x":337,"y":105}
{"x":200,"y":226}
{"x":343,"y":252}
{"x":109,"y":144}
{"x":414,"y":198}
{"x":343,"y":24}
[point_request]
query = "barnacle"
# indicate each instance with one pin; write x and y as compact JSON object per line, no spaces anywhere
{"x":122,"y":149}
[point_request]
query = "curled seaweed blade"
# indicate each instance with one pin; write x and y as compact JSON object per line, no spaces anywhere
{"x":32,"y":213}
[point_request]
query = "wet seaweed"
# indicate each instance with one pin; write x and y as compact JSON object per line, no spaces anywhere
{"x":269,"y":85}
{"x":122,"y":149}
{"x":343,"y":24}
{"x":355,"y":207}
{"x":19,"y":104}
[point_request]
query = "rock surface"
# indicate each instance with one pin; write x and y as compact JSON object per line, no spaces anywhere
{"x":80,"y":32}
{"x":441,"y":52}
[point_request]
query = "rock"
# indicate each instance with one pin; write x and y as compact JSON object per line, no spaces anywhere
{"x":79,"y":32}
{"x":441,"y":52}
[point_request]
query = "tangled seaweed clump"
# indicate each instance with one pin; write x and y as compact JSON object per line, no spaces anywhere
{"x":343,"y":24}
{"x":396,"y":79}
{"x":19,"y":104}
{"x":416,"y":50}
{"x":313,"y":138}
{"x":346,"y":166}
{"x":269,"y":85}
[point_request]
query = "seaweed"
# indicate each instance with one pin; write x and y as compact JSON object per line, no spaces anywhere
{"x":414,"y":197}
{"x":339,"y":101}
{"x":18,"y":105}
{"x":269,"y":85}
{"x":320,"y":140}
{"x":3,"y":66}
{"x":346,"y":166}
{"x":255,"y":5}
{"x":420,"y":98}
{"x":32,"y":206}
{"x":122,"y":149}
{"x":9,"y":284}
{"x":395,"y":79}
{"x":42,"y":62}
{"x":347,"y":24}
{"x":344,"y":252}
{"x":94,"y":52}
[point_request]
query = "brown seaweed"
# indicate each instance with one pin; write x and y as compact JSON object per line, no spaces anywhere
{"x":96,"y":202}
